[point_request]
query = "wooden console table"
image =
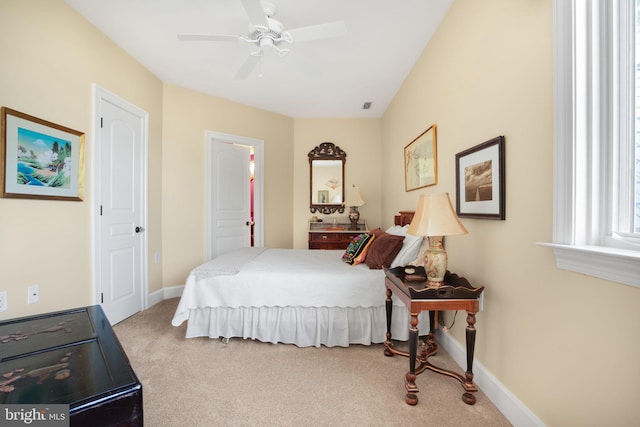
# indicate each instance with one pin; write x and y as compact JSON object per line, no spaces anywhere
{"x":455,"y":294}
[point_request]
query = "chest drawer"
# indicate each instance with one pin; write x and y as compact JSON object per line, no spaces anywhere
{"x":324,"y":237}
{"x":330,"y":240}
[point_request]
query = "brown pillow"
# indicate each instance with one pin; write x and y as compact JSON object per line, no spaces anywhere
{"x":383,"y":249}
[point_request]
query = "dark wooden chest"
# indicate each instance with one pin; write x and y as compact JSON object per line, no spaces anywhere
{"x":70,"y":357}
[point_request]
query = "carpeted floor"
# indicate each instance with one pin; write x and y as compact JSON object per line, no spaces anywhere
{"x":204,"y":382}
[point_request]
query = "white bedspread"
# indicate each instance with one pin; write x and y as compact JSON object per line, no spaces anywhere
{"x":239,"y":293}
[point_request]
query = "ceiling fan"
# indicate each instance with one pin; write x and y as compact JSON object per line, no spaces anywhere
{"x":267,"y":32}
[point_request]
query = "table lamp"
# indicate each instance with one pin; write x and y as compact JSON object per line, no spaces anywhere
{"x":434,"y":219}
{"x":354,"y":200}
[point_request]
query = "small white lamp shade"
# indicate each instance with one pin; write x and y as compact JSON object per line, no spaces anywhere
{"x":354,"y":198}
{"x":435,"y":218}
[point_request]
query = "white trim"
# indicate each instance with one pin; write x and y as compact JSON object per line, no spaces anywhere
{"x":511,"y":407}
{"x":99,"y":93}
{"x":563,"y":121}
{"x":164,"y":294}
{"x":618,"y":265}
{"x":258,"y":183}
{"x":173,"y":292}
{"x":591,"y":112}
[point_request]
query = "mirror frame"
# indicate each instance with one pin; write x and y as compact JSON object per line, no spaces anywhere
{"x":326,"y":151}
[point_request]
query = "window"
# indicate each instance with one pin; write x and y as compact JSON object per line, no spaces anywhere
{"x":637,"y":109}
{"x":596,"y":143}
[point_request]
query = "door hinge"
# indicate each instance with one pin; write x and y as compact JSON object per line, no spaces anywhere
{"x":101,"y":298}
{"x":100,"y":210}
{"x":101,"y":122}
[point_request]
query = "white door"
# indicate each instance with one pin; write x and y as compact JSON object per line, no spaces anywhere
{"x":229,"y":193}
{"x":231,"y":215}
{"x":120,"y":171}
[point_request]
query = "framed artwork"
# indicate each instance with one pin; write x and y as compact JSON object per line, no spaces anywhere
{"x":420,"y":161}
{"x":480,"y":181}
{"x":323,"y":196}
{"x":40,"y":159}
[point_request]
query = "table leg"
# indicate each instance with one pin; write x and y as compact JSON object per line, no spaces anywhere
{"x":410,"y":378}
{"x":389,"y":309}
{"x":432,"y":347}
{"x":468,"y":397}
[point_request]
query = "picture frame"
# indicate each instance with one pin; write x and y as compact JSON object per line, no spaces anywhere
{"x":480,"y":181}
{"x":421,"y":161}
{"x":40,"y":159}
{"x":323,"y":196}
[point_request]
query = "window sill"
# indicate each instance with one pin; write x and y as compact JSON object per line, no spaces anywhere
{"x":617,"y":265}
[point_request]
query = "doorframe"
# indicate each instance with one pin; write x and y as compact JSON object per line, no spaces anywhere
{"x":212,"y":137}
{"x":100,"y":94}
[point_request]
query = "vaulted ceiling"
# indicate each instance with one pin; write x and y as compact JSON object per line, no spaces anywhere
{"x":328,"y":77}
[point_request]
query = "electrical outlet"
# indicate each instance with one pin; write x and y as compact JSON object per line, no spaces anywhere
{"x":3,"y":301}
{"x":481,"y":301}
{"x":33,"y":294}
{"x":157,"y":257}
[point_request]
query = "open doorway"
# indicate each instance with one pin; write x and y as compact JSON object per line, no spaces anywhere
{"x":234,"y":185}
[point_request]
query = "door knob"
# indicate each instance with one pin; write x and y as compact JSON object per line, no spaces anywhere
{"x":249,"y":223}
{"x":139,"y":229}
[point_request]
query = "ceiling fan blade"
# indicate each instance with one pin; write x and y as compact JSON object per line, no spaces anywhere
{"x":320,"y":31}
{"x":248,"y":66}
{"x":255,"y":12}
{"x":210,"y":37}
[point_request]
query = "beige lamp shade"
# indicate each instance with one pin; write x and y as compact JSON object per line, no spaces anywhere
{"x":435,"y":216}
{"x":354,"y":198}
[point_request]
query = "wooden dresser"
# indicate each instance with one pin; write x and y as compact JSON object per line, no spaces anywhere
{"x":71,"y":358}
{"x":327,"y":235}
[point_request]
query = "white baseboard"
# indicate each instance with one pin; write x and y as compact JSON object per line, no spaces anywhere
{"x":510,"y":406}
{"x":163,"y":294}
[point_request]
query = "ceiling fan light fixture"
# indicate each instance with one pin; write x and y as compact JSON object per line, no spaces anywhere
{"x":266,"y":31}
{"x":266,"y":42}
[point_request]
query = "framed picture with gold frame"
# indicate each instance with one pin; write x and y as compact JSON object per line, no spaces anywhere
{"x":421,"y":161}
{"x":40,"y":159}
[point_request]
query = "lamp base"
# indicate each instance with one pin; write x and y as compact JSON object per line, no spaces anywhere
{"x":435,"y":262}
{"x":354,"y":216}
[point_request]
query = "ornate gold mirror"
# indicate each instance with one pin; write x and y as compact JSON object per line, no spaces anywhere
{"x":326,"y":165}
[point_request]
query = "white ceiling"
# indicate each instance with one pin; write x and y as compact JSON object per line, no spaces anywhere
{"x":317,"y":79}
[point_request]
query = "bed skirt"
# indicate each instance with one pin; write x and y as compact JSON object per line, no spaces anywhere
{"x":303,"y":326}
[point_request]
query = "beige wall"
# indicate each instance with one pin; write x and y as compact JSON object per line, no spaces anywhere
{"x":361,"y":140}
{"x":562,"y":343}
{"x":565,"y":344}
{"x":50,"y":58}
{"x":187,"y":116}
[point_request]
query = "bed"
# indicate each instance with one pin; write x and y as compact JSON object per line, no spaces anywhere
{"x":299,"y":296}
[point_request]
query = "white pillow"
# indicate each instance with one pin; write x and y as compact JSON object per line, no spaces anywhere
{"x":410,"y":246}
{"x":398,"y":230}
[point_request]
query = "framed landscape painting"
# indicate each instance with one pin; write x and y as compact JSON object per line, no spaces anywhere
{"x":420,"y":161}
{"x":40,"y":159}
{"x":480,"y":181}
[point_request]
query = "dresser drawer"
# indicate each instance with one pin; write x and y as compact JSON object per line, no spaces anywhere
{"x":333,"y":236}
{"x":331,"y":240}
{"x":324,"y":237}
